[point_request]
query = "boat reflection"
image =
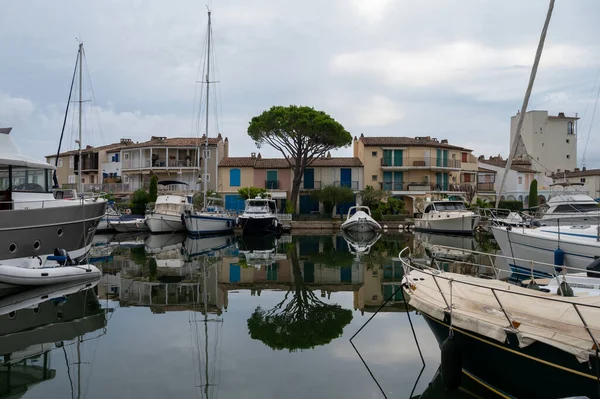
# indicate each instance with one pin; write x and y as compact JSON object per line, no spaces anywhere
{"x":360,"y":242}
{"x":37,"y":321}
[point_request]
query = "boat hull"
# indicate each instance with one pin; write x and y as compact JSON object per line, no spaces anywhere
{"x":259,"y":226}
{"x":126,"y":226}
{"x":199,"y":224}
{"x":515,"y":243}
{"x":158,"y":223}
{"x":360,"y":222}
{"x":37,"y":232}
{"x":441,"y":223}
{"x":514,"y":369}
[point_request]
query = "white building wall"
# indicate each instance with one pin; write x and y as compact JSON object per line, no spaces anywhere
{"x":548,"y":140}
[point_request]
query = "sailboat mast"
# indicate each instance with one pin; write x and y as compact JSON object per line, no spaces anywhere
{"x":517,"y":138}
{"x":205,"y":297}
{"x":205,"y":187}
{"x":79,"y":185}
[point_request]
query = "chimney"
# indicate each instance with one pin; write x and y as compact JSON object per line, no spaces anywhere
{"x":583,"y":169}
{"x":557,"y":170}
{"x":576,"y":170}
{"x":226,"y":148}
{"x":219,"y":137}
{"x":561,"y":114}
{"x":259,"y":156}
{"x":355,"y":148}
{"x":125,"y":141}
{"x":328,"y":154}
{"x":253,"y":155}
{"x":444,"y":141}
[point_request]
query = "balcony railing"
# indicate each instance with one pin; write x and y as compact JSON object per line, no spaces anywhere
{"x":485,"y":186}
{"x":350,"y":184}
{"x":272,"y":184}
{"x":421,"y":162}
{"x":392,"y":186}
{"x":316,"y":185}
{"x":422,"y":186}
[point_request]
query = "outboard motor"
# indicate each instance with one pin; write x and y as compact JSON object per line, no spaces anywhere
{"x":593,"y":269}
{"x":62,"y":257}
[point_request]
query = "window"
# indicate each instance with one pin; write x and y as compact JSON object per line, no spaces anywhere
{"x":72,"y":179}
{"x":542,"y":144}
{"x":126,"y":156}
{"x":467,"y":178}
{"x":206,"y":177}
{"x":234,"y":178}
{"x":71,"y":162}
{"x":59,"y":164}
{"x":568,"y":156}
{"x":582,"y":180}
{"x":205,"y":153}
{"x":374,"y":177}
{"x":570,"y":128}
{"x":568,"y":141}
{"x":464,"y":157}
{"x":374,"y":153}
{"x":520,"y":179}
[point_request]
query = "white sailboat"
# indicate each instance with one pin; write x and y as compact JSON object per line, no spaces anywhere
{"x":212,"y":218}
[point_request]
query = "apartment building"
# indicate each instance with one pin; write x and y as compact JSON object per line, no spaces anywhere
{"x":416,"y":167}
{"x":549,"y":140}
{"x":276,"y":175}
{"x":589,"y":179}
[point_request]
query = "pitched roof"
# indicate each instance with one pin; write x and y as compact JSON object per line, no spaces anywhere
{"x":408,"y":142}
{"x":153,"y":142}
{"x":576,"y":173}
{"x":517,"y":165}
{"x":484,"y":170}
{"x":282,"y":163}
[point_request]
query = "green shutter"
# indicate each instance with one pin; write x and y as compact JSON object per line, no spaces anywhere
{"x":397,"y":180}
{"x":397,"y":157}
{"x":387,"y":157}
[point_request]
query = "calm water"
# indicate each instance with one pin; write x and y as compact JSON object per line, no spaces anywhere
{"x":223,"y":317}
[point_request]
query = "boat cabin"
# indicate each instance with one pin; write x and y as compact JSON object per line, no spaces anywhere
{"x":444,"y":206}
{"x":21,"y":178}
{"x":260,"y":205}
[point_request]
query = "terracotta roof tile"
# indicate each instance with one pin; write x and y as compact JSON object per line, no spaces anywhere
{"x":408,"y":142}
{"x":281,"y":163}
{"x":237,"y":162}
{"x":576,"y":173}
{"x":337,"y":161}
{"x":517,"y":165}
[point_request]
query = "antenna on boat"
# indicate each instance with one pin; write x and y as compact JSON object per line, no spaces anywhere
{"x":518,"y":139}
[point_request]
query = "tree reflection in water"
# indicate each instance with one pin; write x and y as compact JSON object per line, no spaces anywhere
{"x":301,"y":321}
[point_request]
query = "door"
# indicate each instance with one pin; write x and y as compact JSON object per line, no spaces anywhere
{"x":387,"y":181}
{"x":234,"y":203}
{"x":397,"y":157}
{"x":346,"y":177}
{"x":438,"y":181}
{"x":398,"y":177}
{"x":445,"y":158}
{"x":234,"y":273}
{"x":445,"y":181}
{"x":387,"y":158}
{"x":309,"y":179}
{"x":438,"y":158}
{"x":308,"y":205}
{"x":346,"y":274}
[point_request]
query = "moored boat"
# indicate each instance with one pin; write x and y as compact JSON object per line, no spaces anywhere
{"x":129,"y":225}
{"x":359,"y":220}
{"x":259,"y":217}
{"x":445,"y":216}
{"x":168,"y":213}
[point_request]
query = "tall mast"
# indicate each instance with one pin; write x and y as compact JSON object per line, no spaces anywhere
{"x":79,"y":186}
{"x":207,"y":103}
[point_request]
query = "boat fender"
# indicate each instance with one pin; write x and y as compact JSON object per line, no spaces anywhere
{"x":564,"y":289}
{"x":128,"y":211}
{"x":451,"y":366}
{"x":275,"y":222}
{"x":593,"y":269}
{"x":559,"y":258}
{"x":237,"y":221}
{"x":532,"y":285}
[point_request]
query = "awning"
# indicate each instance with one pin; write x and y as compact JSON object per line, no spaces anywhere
{"x":278,"y":194}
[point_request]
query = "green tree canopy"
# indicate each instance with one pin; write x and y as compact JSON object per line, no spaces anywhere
{"x":333,"y":195}
{"x":251,"y":192}
{"x":371,"y":197}
{"x":303,"y":322}
{"x":301,"y":134}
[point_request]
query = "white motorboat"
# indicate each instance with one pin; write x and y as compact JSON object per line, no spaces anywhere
{"x":536,"y":332}
{"x":57,"y":269}
{"x":32,"y":221}
{"x":359,"y":220}
{"x":446,"y":216}
{"x":570,"y":206}
{"x":259,"y":217}
{"x":213,"y":219}
{"x":110,"y":216}
{"x":169,"y":209}
{"x":129,"y":225}
{"x":572,"y":246}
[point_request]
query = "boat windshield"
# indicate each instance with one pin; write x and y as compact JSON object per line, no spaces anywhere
{"x":450,"y":206}
{"x":16,"y":178}
{"x":568,"y":208}
{"x":258,"y":206}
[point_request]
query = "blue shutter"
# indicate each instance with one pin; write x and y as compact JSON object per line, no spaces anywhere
{"x":234,"y":177}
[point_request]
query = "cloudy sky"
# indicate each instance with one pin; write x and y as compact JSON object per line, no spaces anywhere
{"x":449,"y":69}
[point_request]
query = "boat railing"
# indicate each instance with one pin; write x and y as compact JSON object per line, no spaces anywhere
{"x":570,"y":326}
{"x":473,"y":261}
{"x":35,"y":204}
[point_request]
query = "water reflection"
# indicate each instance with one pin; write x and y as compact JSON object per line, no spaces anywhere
{"x":36,"y":322}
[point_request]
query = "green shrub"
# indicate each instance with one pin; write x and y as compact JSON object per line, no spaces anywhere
{"x":138,"y":201}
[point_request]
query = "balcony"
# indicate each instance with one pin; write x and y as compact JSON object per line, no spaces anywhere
{"x":316,"y":185}
{"x":272,"y":184}
{"x":392,"y":186}
{"x":485,"y":186}
{"x":350,"y":184}
{"x":424,"y":186}
{"x":420,"y":163}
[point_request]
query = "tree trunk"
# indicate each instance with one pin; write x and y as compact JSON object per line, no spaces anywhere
{"x":298,"y":172}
